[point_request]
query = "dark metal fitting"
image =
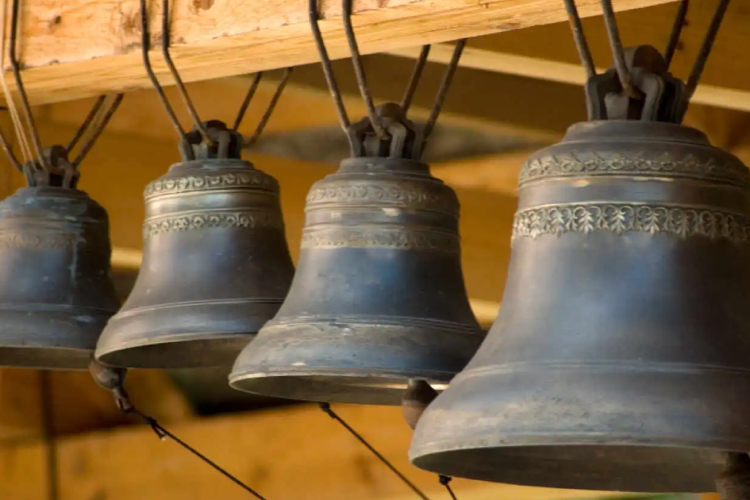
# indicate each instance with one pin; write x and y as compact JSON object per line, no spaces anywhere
{"x":402,"y":138}
{"x":220,"y":142}
{"x":60,"y":172}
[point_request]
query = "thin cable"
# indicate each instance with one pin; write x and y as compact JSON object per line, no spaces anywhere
{"x":145,"y":46}
{"x":86,"y":123}
{"x":618,"y":53}
{"x":580,"y":38}
{"x":674,"y":36}
{"x":8,"y":150}
{"x":176,"y":75}
{"x":325,"y":62}
{"x":246,"y":102}
{"x":25,"y":106}
{"x":161,"y":432}
{"x":271,"y":106}
{"x":359,"y":70}
{"x":444,"y":86}
{"x":708,"y":42}
{"x":328,"y":411}
{"x":445,"y":481}
{"x":414,"y":80}
{"x":48,"y":425}
{"x":98,"y":129}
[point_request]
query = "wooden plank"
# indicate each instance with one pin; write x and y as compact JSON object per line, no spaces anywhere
{"x":84,"y":47}
{"x":293,"y":453}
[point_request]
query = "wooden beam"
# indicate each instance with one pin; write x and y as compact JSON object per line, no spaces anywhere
{"x":293,"y":453}
{"x":78,"y":48}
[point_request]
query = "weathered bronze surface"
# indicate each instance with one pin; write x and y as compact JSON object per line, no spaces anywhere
{"x":378,"y":297}
{"x":216,"y":265}
{"x":620,"y":359}
{"x":56,"y":291}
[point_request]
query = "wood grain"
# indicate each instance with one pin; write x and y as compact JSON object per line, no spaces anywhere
{"x":79,"y":48}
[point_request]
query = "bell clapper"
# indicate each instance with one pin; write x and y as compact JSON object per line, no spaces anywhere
{"x":733,"y":483}
{"x":113,"y":380}
{"x":419,"y":394}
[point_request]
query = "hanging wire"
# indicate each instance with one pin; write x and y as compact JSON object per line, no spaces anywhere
{"x":580,"y":38}
{"x":414,"y":80}
{"x":445,"y":481}
{"x":165,"y":42}
{"x":700,"y":62}
{"x":674,"y":35}
{"x":98,"y":129}
{"x":271,"y":106}
{"x":437,"y":106}
{"x":618,"y":53}
{"x":48,"y":426}
{"x":113,"y":380}
{"x":25,"y":106}
{"x":163,"y":433}
{"x":326,"y":408}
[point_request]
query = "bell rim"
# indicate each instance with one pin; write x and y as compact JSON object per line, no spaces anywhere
{"x":427,"y":455}
{"x":375,"y":395}
{"x":163,"y":340}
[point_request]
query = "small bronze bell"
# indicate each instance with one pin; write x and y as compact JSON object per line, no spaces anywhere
{"x":620,"y":359}
{"x":378,"y":297}
{"x":216,"y":265}
{"x":56,"y":291}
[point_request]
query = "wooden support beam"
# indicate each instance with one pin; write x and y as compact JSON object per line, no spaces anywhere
{"x":78,"y":48}
{"x":293,"y":453}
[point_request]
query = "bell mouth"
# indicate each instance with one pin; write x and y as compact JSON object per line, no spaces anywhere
{"x":177,"y":351}
{"x":386,"y":389}
{"x":627,"y":468}
{"x":45,"y":358}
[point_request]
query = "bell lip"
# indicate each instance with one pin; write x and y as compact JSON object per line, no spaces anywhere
{"x":131,"y":349}
{"x":74,"y":346}
{"x":371,"y":393}
{"x":425,"y":454}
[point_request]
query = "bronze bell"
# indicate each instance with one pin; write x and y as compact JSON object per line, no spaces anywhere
{"x":215,"y":266}
{"x":56,"y":291}
{"x":620,"y":359}
{"x":378,"y":297}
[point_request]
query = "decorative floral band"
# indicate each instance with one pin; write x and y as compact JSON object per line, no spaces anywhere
{"x":374,"y":237}
{"x":224,"y":220}
{"x":678,"y":221}
{"x":251,"y":178}
{"x":428,"y":195}
{"x":39,"y":240}
{"x":641,"y":164}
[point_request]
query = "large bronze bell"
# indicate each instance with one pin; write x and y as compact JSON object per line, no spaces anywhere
{"x":56,"y":291}
{"x":620,"y":359}
{"x":215,"y":267}
{"x":378,"y":297}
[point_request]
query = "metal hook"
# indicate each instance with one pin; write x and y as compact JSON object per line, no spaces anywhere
{"x":359,"y":70}
{"x":437,"y":106}
{"x":98,"y":129}
{"x":674,"y":35}
{"x":580,"y":38}
{"x":176,"y":75}
{"x":30,"y":122}
{"x":86,"y":123}
{"x":618,"y":53}
{"x":145,"y":46}
{"x":414,"y":80}
{"x":271,"y":106}
{"x":248,"y":97}
{"x":700,"y":61}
